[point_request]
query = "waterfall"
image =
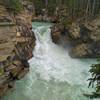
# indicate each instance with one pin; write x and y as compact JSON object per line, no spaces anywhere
{"x":53,"y":62}
{"x":53,"y":75}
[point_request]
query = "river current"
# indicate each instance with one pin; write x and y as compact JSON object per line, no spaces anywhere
{"x":53,"y":75}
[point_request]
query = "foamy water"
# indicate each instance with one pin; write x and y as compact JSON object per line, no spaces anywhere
{"x":53,"y":75}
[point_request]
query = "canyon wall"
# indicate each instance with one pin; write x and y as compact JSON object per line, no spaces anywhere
{"x":17,"y":42}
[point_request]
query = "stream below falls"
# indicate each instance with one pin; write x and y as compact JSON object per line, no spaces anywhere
{"x":53,"y":75}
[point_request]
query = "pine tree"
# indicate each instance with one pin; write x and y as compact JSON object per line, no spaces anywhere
{"x":13,"y":5}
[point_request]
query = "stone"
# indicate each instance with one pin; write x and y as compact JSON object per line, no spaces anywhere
{"x":81,"y":50}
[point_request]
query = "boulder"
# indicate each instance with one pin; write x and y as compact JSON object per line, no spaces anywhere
{"x":81,"y":50}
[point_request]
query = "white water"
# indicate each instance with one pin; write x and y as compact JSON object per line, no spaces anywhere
{"x":53,"y":74}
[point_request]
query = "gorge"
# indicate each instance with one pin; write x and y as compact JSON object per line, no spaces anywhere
{"x":51,"y":44}
{"x":53,"y":75}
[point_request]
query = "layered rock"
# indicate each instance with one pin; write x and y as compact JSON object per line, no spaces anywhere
{"x":16,"y":45}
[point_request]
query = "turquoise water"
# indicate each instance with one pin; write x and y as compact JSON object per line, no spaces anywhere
{"x":53,"y":75}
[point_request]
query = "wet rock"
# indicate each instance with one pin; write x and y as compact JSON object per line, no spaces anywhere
{"x":22,"y":73}
{"x":56,"y":32}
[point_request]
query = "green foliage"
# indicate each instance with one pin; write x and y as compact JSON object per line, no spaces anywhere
{"x":13,"y":5}
{"x":75,"y":8}
{"x":39,"y":5}
{"x":95,"y":71}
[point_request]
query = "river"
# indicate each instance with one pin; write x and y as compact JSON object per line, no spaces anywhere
{"x":53,"y":75}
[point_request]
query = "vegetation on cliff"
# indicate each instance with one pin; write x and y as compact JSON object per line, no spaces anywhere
{"x":13,"y":5}
{"x":67,"y":11}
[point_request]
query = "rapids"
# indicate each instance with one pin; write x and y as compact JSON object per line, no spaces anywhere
{"x":53,"y":75}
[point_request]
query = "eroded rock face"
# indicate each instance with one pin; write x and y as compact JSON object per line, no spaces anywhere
{"x":84,"y":39}
{"x":90,"y":37}
{"x":17,"y":42}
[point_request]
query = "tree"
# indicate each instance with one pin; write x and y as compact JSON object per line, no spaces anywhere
{"x":93,"y":8}
{"x":46,"y":3}
{"x":95,"y":71}
{"x":13,"y":5}
{"x":76,"y":10}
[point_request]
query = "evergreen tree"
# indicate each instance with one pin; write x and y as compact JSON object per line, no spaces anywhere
{"x":95,"y":71}
{"x":13,"y":5}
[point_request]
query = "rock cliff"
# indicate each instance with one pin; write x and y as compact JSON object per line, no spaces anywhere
{"x":17,"y":42}
{"x":83,"y":38}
